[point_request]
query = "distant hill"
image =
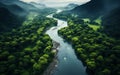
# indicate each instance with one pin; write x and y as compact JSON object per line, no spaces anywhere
{"x":111,"y":23}
{"x":89,"y":9}
{"x":23,"y":5}
{"x":14,"y":12}
{"x":11,"y":15}
{"x":111,"y":4}
{"x":15,"y":9}
{"x":8,"y":20}
{"x":8,"y":1}
{"x":70,"y":6}
{"x":34,"y":7}
{"x":38,"y":5}
{"x":109,"y":9}
{"x":93,"y":9}
{"x":26,"y":6}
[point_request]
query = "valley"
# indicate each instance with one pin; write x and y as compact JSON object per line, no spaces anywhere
{"x":72,"y":40}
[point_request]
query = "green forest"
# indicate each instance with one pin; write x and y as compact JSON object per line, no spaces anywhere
{"x":26,"y":50}
{"x":99,"y":52}
{"x":36,"y":39}
{"x":94,"y":35}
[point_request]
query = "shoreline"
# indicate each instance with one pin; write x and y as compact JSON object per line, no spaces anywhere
{"x":53,"y":64}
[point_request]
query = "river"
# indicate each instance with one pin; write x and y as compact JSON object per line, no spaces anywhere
{"x":68,"y":63}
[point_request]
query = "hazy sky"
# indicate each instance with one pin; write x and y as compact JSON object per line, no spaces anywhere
{"x":52,"y":3}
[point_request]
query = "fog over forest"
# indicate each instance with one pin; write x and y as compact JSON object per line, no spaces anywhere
{"x":60,"y":3}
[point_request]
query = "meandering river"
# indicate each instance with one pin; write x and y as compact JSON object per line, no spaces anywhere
{"x":68,"y":63}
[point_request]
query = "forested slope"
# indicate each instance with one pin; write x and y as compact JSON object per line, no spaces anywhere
{"x":99,"y":52}
{"x":111,"y":23}
{"x":26,"y":50}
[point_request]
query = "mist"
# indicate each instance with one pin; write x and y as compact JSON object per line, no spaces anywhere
{"x":60,"y":3}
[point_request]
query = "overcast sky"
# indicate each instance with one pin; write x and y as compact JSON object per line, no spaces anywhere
{"x":52,"y":3}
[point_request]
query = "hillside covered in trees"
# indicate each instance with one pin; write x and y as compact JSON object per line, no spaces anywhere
{"x":92,"y":9}
{"x":26,"y":50}
{"x":99,"y":52}
{"x":93,"y":30}
{"x":105,"y":10}
{"x":111,"y":23}
{"x":14,"y":12}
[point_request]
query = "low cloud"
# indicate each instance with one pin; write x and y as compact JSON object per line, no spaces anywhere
{"x":53,"y":3}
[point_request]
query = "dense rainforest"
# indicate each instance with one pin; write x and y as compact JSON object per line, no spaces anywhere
{"x":25,"y":49}
{"x":23,"y":52}
{"x":107,"y":10}
{"x":93,"y":30}
{"x":99,"y":52}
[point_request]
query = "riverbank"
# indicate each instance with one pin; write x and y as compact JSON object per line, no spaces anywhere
{"x":53,"y":64}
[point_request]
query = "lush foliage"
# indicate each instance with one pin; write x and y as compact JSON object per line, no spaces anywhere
{"x":26,"y":50}
{"x":98,"y":52}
